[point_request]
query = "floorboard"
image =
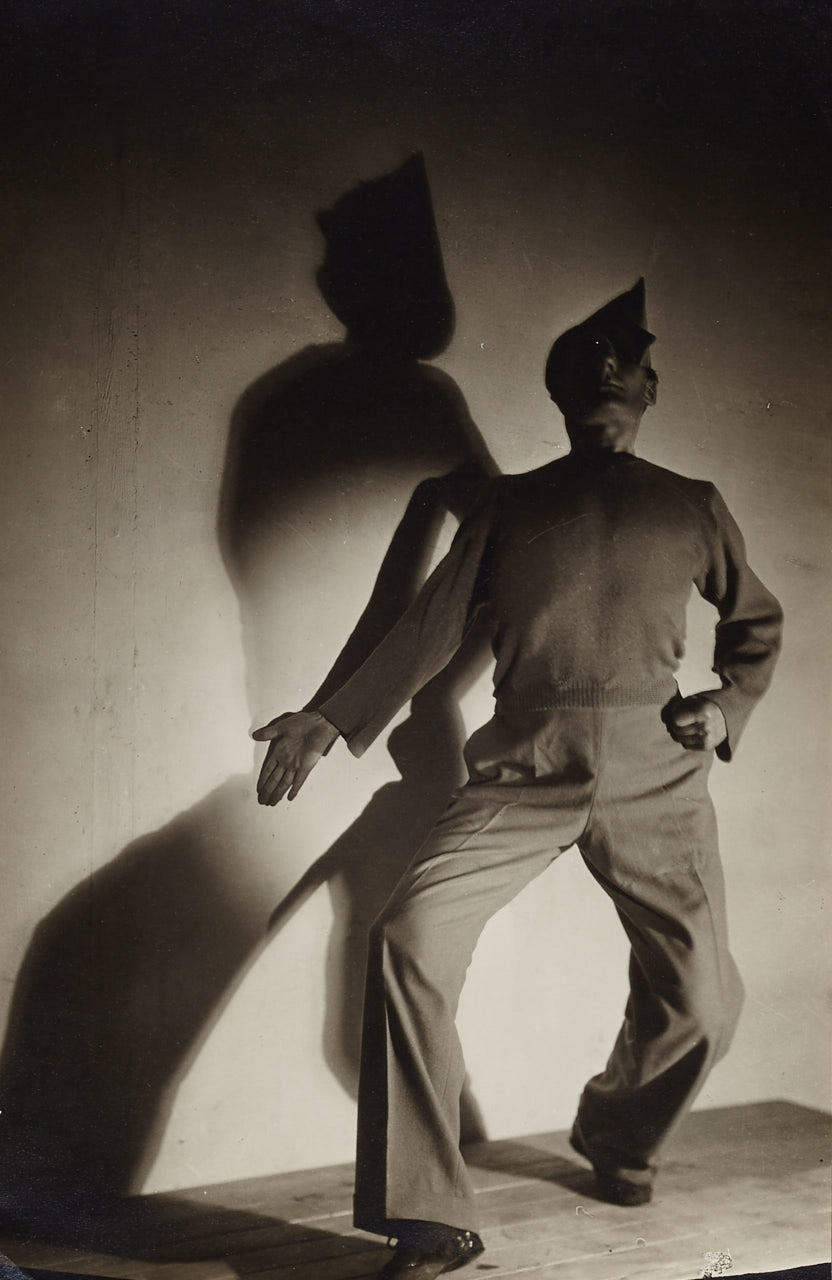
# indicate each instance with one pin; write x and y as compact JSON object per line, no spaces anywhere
{"x":746,"y":1185}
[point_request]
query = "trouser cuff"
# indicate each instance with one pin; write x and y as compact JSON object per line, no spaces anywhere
{"x":451,"y":1211}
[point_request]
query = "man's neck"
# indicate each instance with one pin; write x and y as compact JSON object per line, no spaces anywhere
{"x":600,"y":440}
{"x":598,"y":453}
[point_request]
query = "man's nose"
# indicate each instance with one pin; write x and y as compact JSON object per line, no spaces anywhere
{"x":606,"y":364}
{"x":609,"y":363}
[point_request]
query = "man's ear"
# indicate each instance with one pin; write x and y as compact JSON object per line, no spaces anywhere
{"x":651,"y":391}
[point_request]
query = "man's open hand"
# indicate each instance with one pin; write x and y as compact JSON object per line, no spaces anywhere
{"x":696,"y":722}
{"x":297,"y":740}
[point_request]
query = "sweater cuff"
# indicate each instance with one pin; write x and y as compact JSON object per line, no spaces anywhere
{"x":356,"y":735}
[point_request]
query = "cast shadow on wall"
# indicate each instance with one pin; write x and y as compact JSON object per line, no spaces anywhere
{"x":125,"y":978}
{"x":395,"y":450}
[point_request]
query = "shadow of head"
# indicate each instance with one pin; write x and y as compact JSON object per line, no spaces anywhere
{"x":382,"y":275}
{"x":345,"y":444}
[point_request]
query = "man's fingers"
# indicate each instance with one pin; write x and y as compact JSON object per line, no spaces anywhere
{"x":294,"y":749}
{"x":696,"y":723}
{"x":272,"y":787}
{"x":300,"y":777}
{"x":267,"y":732}
{"x":270,"y":777}
{"x":691,"y":735}
{"x":272,"y":764}
{"x":682,"y":719}
{"x":267,"y":787}
{"x":692,"y":731}
{"x":692,"y":738}
{"x":285,"y":783}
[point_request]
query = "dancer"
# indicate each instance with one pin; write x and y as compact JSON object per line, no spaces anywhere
{"x":585,"y":566}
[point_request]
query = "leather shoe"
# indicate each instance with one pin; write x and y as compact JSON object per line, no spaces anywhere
{"x":621,"y":1191}
{"x":446,"y":1250}
{"x":614,"y":1190}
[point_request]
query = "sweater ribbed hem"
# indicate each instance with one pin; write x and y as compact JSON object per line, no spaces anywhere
{"x":585,"y":693}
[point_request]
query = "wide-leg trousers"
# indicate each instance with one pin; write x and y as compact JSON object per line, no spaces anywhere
{"x":636,"y":804}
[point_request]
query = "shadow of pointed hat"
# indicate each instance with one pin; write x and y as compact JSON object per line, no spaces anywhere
{"x":383,"y":274}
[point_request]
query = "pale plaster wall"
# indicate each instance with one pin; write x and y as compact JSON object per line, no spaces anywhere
{"x":162,"y":261}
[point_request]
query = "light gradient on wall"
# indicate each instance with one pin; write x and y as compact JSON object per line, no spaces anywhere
{"x":164,"y":259}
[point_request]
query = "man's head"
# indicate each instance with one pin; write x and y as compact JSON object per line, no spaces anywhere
{"x":600,"y":377}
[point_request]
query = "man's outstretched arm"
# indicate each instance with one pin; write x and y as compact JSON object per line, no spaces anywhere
{"x":420,"y":644}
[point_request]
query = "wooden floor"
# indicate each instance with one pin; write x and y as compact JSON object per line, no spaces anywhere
{"x":743,"y":1187}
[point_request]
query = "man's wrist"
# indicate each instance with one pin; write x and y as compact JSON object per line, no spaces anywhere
{"x":327,"y":730}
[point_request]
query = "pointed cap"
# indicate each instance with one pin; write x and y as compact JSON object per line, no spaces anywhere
{"x":622,"y":320}
{"x":626,"y":311}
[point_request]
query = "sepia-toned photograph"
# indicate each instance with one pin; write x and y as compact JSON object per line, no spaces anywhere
{"x":415,"y":629}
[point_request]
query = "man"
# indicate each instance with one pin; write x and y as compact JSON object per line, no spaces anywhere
{"x":585,"y":566}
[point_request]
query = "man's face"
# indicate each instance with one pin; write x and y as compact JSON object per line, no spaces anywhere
{"x":603,"y":385}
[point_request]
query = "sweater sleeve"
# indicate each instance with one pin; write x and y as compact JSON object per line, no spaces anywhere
{"x":750,"y":622}
{"x":423,"y":640}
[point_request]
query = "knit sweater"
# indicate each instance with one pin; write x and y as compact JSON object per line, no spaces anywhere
{"x":586,"y":567}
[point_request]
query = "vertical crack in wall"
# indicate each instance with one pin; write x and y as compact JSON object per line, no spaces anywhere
{"x":115,"y":428}
{"x":137,"y":273}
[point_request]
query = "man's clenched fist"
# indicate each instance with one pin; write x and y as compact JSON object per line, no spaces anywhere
{"x":696,"y":722}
